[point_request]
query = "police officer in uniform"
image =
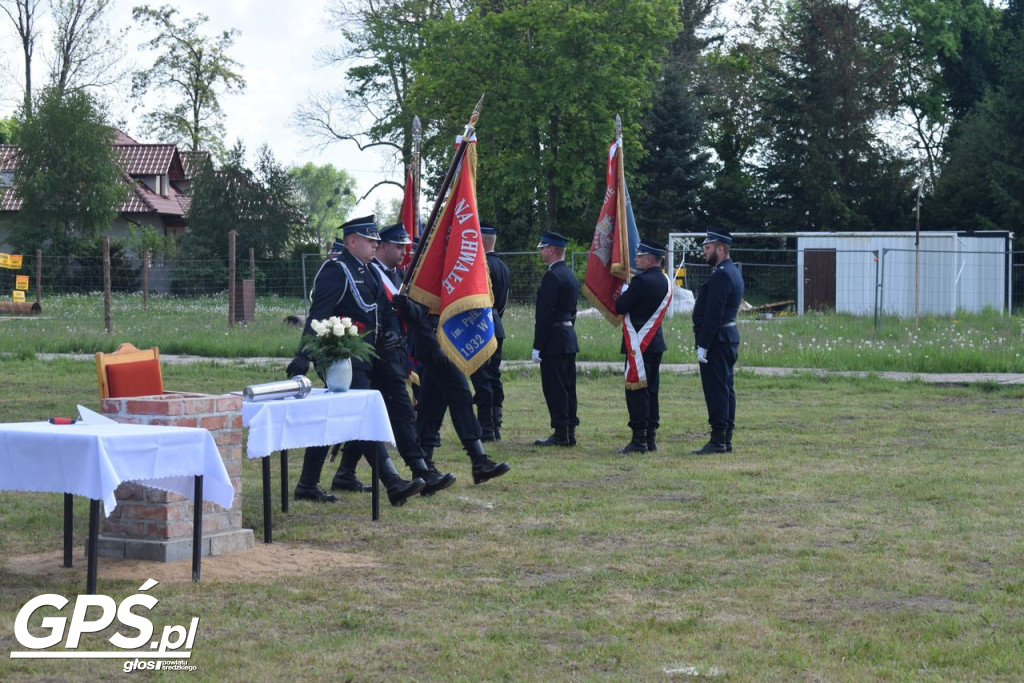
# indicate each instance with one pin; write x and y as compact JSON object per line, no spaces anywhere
{"x":554,"y":339}
{"x":489,"y":395}
{"x":646,"y":297}
{"x":345,"y":286}
{"x":718,"y":339}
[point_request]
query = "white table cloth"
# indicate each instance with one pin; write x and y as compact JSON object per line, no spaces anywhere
{"x":92,"y":457}
{"x":318,"y":419}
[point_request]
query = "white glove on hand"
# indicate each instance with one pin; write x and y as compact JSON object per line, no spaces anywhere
{"x":535,"y":356}
{"x":625,"y":286}
{"x":702,"y":354}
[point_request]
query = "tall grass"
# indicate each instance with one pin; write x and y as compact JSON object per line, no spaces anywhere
{"x":984,"y":342}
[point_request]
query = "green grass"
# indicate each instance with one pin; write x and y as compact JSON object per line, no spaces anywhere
{"x":986,"y":342}
{"x":862,"y":530}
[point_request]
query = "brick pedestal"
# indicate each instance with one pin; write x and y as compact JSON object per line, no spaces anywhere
{"x":150,"y":524}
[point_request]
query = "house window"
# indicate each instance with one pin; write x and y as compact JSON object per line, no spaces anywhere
{"x":6,"y":178}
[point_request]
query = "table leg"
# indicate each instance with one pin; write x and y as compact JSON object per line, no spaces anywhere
{"x":284,"y":480}
{"x":197,"y":530}
{"x":93,"y":547}
{"x":267,"y":533}
{"x":69,"y":524}
{"x":375,"y":483}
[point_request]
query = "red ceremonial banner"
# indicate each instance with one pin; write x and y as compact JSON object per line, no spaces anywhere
{"x":611,"y":252}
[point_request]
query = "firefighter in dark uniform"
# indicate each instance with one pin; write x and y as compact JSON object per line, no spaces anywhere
{"x":646,"y":297}
{"x":554,"y":339}
{"x":488,"y":394}
{"x":346,"y":287}
{"x":392,"y":372}
{"x":443,"y":388}
{"x":718,"y":339}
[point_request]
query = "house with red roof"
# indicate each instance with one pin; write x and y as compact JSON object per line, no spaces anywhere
{"x":157,"y":178}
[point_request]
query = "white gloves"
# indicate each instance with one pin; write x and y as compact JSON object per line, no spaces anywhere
{"x":625,"y":286}
{"x":535,"y":357}
{"x":702,"y":354}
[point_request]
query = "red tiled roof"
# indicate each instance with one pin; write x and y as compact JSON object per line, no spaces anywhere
{"x":192,"y":161}
{"x":9,"y":199}
{"x":122,"y":138}
{"x":138,"y":159}
{"x":8,"y":157}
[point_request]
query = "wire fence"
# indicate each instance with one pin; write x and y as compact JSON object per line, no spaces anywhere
{"x":862,"y":282}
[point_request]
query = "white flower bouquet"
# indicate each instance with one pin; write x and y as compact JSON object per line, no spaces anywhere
{"x":336,"y":339}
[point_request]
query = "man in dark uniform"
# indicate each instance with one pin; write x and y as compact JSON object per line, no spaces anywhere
{"x":718,"y":339}
{"x":489,"y":396}
{"x":554,"y":339}
{"x":644,"y":303}
{"x":390,"y":375}
{"x":443,"y":387}
{"x":346,"y":287}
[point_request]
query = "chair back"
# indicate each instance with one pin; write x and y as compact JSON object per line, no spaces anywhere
{"x":129,"y":371}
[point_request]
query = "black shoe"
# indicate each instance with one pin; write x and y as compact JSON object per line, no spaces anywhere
{"x":634,"y":447}
{"x":304,"y":492}
{"x":487,"y":470}
{"x":488,"y":436}
{"x":652,"y":445}
{"x":401,"y":490}
{"x":344,"y":482}
{"x":434,"y":480}
{"x":558,"y":438}
{"x":711,"y":447}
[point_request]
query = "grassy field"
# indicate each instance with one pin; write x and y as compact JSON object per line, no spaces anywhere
{"x":986,"y":342}
{"x":862,"y":530}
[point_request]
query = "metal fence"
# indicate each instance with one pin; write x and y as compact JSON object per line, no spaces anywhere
{"x":889,"y":281}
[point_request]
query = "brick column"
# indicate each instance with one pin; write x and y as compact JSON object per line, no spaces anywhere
{"x":151,"y":524}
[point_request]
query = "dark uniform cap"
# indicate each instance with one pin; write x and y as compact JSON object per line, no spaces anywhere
{"x":336,"y":248}
{"x":365,"y":226}
{"x":395,"y":234}
{"x":488,"y":229}
{"x":650,"y":247}
{"x":552,"y":239}
{"x":718,"y":235}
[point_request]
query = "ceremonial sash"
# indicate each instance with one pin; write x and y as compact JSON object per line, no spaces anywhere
{"x":390,"y":288}
{"x":637,"y":341}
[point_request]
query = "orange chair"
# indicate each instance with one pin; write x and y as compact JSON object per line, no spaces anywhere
{"x":129,"y":371}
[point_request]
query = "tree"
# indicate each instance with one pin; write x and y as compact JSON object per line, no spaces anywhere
{"x":85,"y":55}
{"x":555,"y":74}
{"x":324,"y":196}
{"x":23,"y":15}
{"x":67,"y":179}
{"x":380,"y":41}
{"x":193,"y":69}
{"x":825,"y":166}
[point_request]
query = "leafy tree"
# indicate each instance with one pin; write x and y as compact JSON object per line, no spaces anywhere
{"x":193,"y":70}
{"x":8,"y":130}
{"x":824,"y":163}
{"x":67,"y":178}
{"x":23,"y":14}
{"x":555,"y":74}
{"x":325,"y":197}
{"x":85,"y":54}
{"x":380,"y":41}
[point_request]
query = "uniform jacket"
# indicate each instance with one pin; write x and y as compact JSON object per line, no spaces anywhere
{"x":556,"y":311}
{"x":717,"y":303}
{"x":499,"y":284}
{"x":646,"y":291}
{"x":335,"y":294}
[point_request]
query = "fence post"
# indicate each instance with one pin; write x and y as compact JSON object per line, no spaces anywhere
{"x":231,"y":278}
{"x":39,"y":276}
{"x":145,"y":280}
{"x":106,"y":283}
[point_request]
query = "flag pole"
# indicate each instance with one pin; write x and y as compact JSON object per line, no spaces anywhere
{"x":460,"y":153}
{"x":417,"y":137}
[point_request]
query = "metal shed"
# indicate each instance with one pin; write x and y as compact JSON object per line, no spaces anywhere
{"x":864,"y":273}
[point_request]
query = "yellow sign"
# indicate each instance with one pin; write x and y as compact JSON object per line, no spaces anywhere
{"x":18,"y":296}
{"x":21,"y":282}
{"x":12,"y":261}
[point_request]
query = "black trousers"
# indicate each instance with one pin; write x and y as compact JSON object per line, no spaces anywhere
{"x":488,"y":393}
{"x":558,"y":381}
{"x":716,"y":378}
{"x":642,"y":404}
{"x":443,"y":388}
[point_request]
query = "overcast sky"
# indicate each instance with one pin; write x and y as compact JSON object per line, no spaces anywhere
{"x":276,"y":49}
